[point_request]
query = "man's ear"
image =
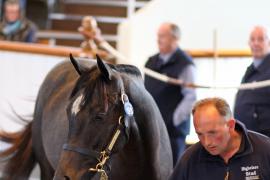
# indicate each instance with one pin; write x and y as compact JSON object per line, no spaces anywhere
{"x":231,"y":123}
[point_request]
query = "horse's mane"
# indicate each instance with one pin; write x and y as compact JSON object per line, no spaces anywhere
{"x":92,"y":74}
{"x":122,"y":68}
{"x":129,"y":69}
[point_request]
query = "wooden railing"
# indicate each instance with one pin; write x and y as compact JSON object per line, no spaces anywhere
{"x":38,"y":48}
{"x":219,"y":53}
{"x":65,"y":50}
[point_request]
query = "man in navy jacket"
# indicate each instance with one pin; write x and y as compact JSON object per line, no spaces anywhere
{"x":226,"y":150}
{"x":252,"y":107}
{"x":174,"y":101}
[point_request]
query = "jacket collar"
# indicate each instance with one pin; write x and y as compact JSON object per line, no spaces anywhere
{"x":172,"y":59}
{"x":265,"y":64}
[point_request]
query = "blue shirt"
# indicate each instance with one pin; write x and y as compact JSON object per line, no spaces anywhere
{"x":257,"y":62}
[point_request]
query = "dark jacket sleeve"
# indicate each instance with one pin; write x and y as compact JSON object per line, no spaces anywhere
{"x":179,"y":170}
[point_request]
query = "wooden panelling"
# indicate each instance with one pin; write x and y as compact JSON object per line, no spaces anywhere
{"x":94,"y":10}
{"x":65,"y":25}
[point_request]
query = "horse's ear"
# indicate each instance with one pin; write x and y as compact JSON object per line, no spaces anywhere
{"x":104,"y":69}
{"x":80,"y":69}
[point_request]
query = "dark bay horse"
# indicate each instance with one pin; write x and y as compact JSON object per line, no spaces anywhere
{"x":91,"y":120}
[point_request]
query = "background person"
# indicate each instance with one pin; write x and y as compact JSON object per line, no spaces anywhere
{"x":174,"y":102}
{"x":252,"y":107}
{"x":226,"y":150}
{"x":14,"y":26}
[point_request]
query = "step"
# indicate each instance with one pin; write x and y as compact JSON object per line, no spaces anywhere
{"x":116,"y":3}
{"x":76,"y":43}
{"x":107,"y":25}
{"x":94,"y":10}
{"x":67,"y":38}
{"x":72,"y":25}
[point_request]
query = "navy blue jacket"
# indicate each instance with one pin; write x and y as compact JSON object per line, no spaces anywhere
{"x":252,"y":107}
{"x":252,"y":161}
{"x":168,"y":96}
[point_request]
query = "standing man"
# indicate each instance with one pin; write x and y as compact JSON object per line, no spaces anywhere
{"x":252,"y":107}
{"x":14,"y":26}
{"x":226,"y":150}
{"x":174,"y":101}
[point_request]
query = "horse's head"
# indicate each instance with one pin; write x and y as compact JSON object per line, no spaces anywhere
{"x":99,"y":115}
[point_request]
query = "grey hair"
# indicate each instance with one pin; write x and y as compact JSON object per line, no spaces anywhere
{"x":265,"y":29}
{"x":8,"y":2}
{"x":176,"y":32}
{"x":220,"y":104}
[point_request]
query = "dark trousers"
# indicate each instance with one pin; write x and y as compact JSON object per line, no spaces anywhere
{"x":178,"y":147}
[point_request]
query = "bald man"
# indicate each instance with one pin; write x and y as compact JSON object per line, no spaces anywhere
{"x":174,"y":102}
{"x":252,"y":107}
{"x":226,"y":150}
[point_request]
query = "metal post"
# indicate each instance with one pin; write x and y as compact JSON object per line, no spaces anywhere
{"x":131,"y":8}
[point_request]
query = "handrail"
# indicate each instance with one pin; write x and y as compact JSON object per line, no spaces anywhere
{"x":66,"y":50}
{"x":219,"y":53}
{"x":36,"y":48}
{"x":39,"y":48}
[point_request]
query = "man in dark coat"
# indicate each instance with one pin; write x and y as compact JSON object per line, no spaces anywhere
{"x":252,"y":107}
{"x":174,"y":101}
{"x":226,"y":150}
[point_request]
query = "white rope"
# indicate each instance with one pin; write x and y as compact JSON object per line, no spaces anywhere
{"x":164,"y":78}
{"x":253,"y":85}
{"x":110,"y":49}
{"x":170,"y":80}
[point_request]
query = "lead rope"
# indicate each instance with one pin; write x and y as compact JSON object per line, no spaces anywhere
{"x":227,"y":175}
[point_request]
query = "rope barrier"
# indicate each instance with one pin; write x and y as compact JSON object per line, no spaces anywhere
{"x":245,"y":86}
{"x":164,"y":78}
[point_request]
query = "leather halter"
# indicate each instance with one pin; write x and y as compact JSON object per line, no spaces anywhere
{"x":103,"y":156}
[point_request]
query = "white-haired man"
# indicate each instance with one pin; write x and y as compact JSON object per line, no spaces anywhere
{"x":252,"y":107}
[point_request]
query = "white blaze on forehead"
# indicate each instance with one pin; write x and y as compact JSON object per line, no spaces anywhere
{"x":76,"y":104}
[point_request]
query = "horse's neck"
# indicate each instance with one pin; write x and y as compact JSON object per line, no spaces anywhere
{"x":154,"y":134}
{"x":144,"y":140}
{"x":149,"y":145}
{"x":133,"y":159}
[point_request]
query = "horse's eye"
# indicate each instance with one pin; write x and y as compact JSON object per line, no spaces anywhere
{"x":66,"y":178}
{"x":100,"y":116}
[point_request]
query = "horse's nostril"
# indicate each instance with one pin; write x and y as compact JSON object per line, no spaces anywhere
{"x":66,"y":178}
